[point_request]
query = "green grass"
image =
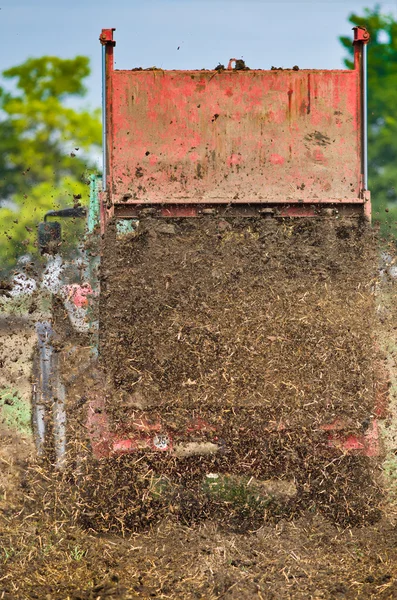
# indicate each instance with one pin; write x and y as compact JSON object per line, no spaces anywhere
{"x":15,"y":412}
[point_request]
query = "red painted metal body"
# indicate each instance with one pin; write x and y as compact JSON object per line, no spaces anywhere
{"x":289,"y":142}
{"x":234,"y":137}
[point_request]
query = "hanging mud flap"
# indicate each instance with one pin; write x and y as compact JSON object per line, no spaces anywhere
{"x":48,"y":399}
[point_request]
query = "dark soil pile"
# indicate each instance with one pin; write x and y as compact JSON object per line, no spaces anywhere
{"x":133,"y":492}
{"x":213,"y":315}
{"x":278,"y":563}
{"x":262,"y":332}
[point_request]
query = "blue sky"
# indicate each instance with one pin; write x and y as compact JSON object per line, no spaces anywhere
{"x":265,"y":33}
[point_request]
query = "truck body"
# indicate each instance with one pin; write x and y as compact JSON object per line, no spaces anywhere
{"x":274,"y":144}
{"x":183,"y":141}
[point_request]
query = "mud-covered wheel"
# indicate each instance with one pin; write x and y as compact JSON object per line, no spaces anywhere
{"x":48,"y":399}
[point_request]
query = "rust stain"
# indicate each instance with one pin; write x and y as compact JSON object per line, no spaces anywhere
{"x":308,"y":94}
{"x":290,"y":92}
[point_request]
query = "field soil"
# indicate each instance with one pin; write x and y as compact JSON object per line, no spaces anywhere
{"x":47,"y":557}
{"x":16,"y":442}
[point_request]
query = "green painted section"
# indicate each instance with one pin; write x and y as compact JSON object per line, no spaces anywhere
{"x":93,"y":207}
{"x":125,"y":226}
{"x":15,"y":412}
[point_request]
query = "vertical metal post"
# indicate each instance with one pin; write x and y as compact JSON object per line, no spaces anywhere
{"x":106,"y":39}
{"x":361,"y":39}
{"x":104,"y":157}
{"x":42,"y":390}
{"x":365,"y":117}
{"x":93,"y":208}
{"x":58,"y":415}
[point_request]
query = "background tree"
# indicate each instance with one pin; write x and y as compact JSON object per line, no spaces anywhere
{"x":46,"y":147}
{"x":382,"y":112}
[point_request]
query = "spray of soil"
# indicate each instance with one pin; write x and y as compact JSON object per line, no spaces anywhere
{"x":262,"y":333}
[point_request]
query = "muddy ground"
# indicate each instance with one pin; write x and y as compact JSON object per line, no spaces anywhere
{"x":51,"y":547}
{"x":44,"y":554}
{"x":308,"y":558}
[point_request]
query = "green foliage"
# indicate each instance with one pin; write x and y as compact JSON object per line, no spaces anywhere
{"x":382,"y":117}
{"x":77,"y":553}
{"x":46,"y":147}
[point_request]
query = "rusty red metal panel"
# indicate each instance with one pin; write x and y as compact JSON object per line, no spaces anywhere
{"x":222,"y":137}
{"x":245,"y":136}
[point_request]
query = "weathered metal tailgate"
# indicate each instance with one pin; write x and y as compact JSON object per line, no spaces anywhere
{"x":244,"y":137}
